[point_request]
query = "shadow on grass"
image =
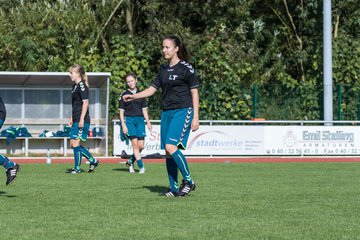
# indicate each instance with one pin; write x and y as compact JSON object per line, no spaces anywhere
{"x":3,"y":194}
{"x":156,"y":188}
{"x":121,"y":169}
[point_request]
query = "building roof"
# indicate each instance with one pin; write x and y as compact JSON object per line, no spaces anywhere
{"x":37,"y":79}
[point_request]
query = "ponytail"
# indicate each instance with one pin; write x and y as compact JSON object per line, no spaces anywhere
{"x":80,"y":69}
{"x":85,"y":79}
{"x":182,"y":53}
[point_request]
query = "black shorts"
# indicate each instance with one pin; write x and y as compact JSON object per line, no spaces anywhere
{"x":138,"y":138}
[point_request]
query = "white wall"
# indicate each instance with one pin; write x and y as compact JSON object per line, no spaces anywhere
{"x":240,"y":140}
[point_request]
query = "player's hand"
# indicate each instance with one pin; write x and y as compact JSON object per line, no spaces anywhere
{"x":125,"y":130}
{"x":149,"y":126}
{"x":70,"y":122}
{"x":195,"y":125}
{"x":81,"y":123}
{"x":128,"y":98}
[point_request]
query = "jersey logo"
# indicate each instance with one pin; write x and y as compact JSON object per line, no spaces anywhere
{"x":173,"y":77}
{"x":189,"y":66}
{"x":82,"y":87}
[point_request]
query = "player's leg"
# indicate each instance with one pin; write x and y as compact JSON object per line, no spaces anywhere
{"x":140,"y":133}
{"x":176,"y":139}
{"x":5,"y":162}
{"x":130,"y":125}
{"x":188,"y":183}
{"x":75,"y":144}
{"x":172,"y":171}
{"x":94,"y":163}
{"x":140,"y":162}
{"x":136,"y":153}
{"x":84,"y":151}
{"x":130,"y":161}
{"x":11,"y":167}
{"x":171,"y":167}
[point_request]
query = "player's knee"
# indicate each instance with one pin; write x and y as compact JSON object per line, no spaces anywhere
{"x":135,"y":146}
{"x":74,"y":143}
{"x":141,"y":147}
{"x":170,"y":148}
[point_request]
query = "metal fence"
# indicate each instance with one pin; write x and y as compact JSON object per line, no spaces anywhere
{"x":270,"y":101}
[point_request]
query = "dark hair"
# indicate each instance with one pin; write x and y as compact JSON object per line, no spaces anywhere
{"x":182,"y":53}
{"x":131,"y":75}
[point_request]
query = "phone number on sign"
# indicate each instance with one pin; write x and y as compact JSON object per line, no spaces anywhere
{"x":313,"y":151}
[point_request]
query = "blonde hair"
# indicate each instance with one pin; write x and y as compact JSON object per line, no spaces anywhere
{"x":80,"y":69}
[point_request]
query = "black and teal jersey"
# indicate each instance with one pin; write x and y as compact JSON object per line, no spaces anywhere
{"x":176,"y":83}
{"x":80,"y":92}
{"x":2,"y":110}
{"x":133,"y":108}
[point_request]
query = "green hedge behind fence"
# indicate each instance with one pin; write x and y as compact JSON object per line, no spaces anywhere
{"x":273,"y":102}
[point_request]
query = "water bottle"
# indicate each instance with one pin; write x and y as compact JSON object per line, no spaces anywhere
{"x":48,"y":157}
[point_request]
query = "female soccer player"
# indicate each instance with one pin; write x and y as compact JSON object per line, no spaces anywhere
{"x":132,"y":115}
{"x":12,"y":168}
{"x":180,"y":103}
{"x":80,"y":118}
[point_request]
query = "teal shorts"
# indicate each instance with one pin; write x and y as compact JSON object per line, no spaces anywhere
{"x":79,"y":133}
{"x":175,"y":127}
{"x":136,"y":127}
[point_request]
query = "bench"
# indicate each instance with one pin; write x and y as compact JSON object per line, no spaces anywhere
{"x":40,"y":145}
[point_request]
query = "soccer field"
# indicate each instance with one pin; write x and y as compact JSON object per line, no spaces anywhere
{"x":232,"y":201}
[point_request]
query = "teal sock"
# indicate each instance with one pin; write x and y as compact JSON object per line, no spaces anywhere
{"x":85,"y":152}
{"x":140,"y":163}
{"x":181,"y":163}
{"x":6,"y":162}
{"x":77,"y":158}
{"x":131,"y":160}
{"x":172,"y":171}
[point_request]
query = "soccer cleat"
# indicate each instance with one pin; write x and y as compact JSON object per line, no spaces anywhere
{"x":11,"y":174}
{"x":75,"y":171}
{"x":131,"y":169}
{"x":72,"y":170}
{"x":186,"y":188}
{"x":142,"y":170}
{"x":169,"y":193}
{"x":93,"y":166}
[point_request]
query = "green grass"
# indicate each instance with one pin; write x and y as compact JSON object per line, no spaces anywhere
{"x":232,"y":201}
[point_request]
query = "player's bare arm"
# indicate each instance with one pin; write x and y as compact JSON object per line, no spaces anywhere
{"x":195,"y":100}
{"x":143,"y":94}
{"x":146,"y":116}
{"x":122,"y":120}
